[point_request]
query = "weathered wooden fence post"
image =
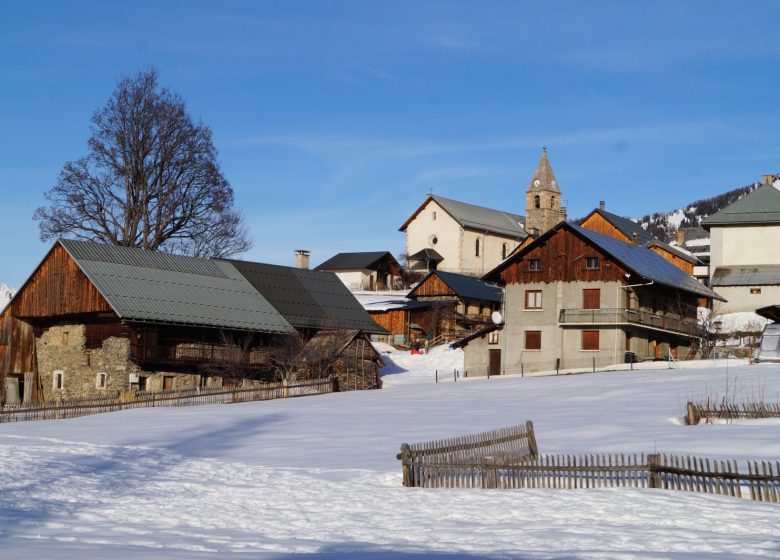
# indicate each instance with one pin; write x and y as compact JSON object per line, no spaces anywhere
{"x":653,"y":471}
{"x":532,"y":449}
{"x":406,"y":464}
{"x":694,"y":416}
{"x":489,"y":473}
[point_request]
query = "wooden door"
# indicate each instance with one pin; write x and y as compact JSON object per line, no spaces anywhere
{"x":167,"y":383}
{"x":494,"y":366}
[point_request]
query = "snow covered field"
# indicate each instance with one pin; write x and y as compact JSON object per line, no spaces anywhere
{"x":318,"y":475}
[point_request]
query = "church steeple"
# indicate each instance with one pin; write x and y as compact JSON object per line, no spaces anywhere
{"x":543,"y":198}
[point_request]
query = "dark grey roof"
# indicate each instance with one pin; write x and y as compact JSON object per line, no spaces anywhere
{"x":478,"y":217}
{"x":308,"y":298}
{"x":761,"y":206}
{"x":468,"y":287}
{"x":356,"y":261}
{"x":627,"y":227}
{"x":150,"y":286}
{"x":646,"y":263}
{"x":426,"y":255}
{"x":754,"y":275}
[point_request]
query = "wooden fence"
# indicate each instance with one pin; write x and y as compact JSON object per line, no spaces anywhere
{"x":708,"y":410}
{"x":55,"y":410}
{"x":449,"y":464}
{"x":506,"y":445}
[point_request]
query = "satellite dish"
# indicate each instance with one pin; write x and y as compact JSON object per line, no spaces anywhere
{"x":496,"y":317}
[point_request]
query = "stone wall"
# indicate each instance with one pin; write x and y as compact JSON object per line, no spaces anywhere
{"x":62,"y":349}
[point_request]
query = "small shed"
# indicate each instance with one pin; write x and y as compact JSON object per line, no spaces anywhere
{"x":346,"y":355}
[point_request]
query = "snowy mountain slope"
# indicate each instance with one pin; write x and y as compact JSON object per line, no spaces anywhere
{"x":318,"y":475}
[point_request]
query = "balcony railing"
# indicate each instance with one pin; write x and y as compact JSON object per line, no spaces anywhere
{"x":198,"y":353}
{"x":670,"y":323}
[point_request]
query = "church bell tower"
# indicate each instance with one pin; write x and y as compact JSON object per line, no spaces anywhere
{"x":543,"y":199}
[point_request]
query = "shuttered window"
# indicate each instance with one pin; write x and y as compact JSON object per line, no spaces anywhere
{"x":590,"y":340}
{"x":533,"y":340}
{"x":533,"y":299}
{"x":591,"y":299}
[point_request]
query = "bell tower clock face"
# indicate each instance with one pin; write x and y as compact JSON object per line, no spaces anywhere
{"x":537,"y":182}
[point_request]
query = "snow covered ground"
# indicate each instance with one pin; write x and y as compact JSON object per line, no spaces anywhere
{"x":318,"y":475}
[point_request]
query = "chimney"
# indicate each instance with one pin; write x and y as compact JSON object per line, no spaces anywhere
{"x":634,"y":238}
{"x":601,"y":205}
{"x":680,"y":236}
{"x":302,"y":258}
{"x":767,"y":179}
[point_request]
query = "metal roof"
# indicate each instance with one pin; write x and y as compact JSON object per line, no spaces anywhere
{"x":357,"y":261}
{"x":158,"y":287}
{"x":646,"y":263}
{"x":751,"y":275}
{"x":308,"y":298}
{"x":477,"y":217}
{"x":678,"y":251}
{"x":468,"y":287}
{"x":761,"y":206}
{"x":627,"y":227}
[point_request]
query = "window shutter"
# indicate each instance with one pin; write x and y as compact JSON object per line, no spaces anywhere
{"x":533,"y":340}
{"x":591,"y":299}
{"x":590,"y":340}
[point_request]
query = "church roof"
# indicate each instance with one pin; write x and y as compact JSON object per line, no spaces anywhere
{"x":762,"y":206}
{"x":477,"y":218}
{"x":543,"y":178}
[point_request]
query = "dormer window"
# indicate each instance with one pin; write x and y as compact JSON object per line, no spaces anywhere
{"x":535,"y":265}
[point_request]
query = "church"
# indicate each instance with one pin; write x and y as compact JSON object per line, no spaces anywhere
{"x":453,"y":236}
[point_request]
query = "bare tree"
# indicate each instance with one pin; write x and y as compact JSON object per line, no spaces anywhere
{"x":287,"y":356}
{"x":150,"y":179}
{"x":232,"y":360}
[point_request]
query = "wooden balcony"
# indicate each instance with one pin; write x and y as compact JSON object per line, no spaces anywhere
{"x":194,"y":353}
{"x":668,"y":323}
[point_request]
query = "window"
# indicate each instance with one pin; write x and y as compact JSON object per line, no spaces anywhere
{"x":537,"y":202}
{"x":142,"y":383}
{"x":533,"y":340}
{"x":434,"y":240}
{"x":592,"y":263}
{"x":755,"y":290}
{"x":590,"y":340}
{"x":434,"y":215}
{"x":58,"y":379}
{"x":503,"y":251}
{"x":533,"y":299}
{"x":493,"y":338}
{"x":552,"y":201}
{"x":100,"y":380}
{"x":476,"y":248}
{"x":535,"y":265}
{"x":64,"y":340}
{"x":591,"y":298}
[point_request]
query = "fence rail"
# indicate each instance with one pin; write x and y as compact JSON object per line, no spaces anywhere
{"x":471,"y":462}
{"x":190,"y":397}
{"x":708,"y":410}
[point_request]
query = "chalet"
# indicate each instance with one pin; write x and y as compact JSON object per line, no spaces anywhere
{"x":453,"y":236}
{"x":744,"y":261}
{"x":472,"y":300}
{"x":365,"y":271}
{"x":612,"y":225}
{"x":574,"y":298}
{"x":98,"y":319}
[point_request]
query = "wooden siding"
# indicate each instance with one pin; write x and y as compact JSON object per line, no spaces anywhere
{"x":563,"y":259}
{"x":58,"y":287}
{"x":394,"y":320}
{"x":596,"y":222}
{"x":680,"y":263}
{"x":431,"y":287}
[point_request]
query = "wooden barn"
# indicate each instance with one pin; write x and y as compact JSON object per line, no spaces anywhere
{"x":471,"y":300}
{"x":346,"y":355}
{"x":97,"y":319}
{"x":408,"y":321}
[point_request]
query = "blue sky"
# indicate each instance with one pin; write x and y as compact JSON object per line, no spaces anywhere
{"x":334,"y":119}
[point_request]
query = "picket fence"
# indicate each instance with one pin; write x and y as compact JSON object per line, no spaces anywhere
{"x":708,"y":410}
{"x":57,"y":410}
{"x":438,"y":465}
